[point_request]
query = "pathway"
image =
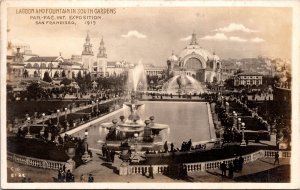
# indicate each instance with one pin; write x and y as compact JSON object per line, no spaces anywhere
{"x":106,"y":172}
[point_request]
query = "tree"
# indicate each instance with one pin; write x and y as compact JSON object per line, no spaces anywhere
{"x":63,"y":74}
{"x":239,"y":71}
{"x":47,"y":78}
{"x":88,"y":80}
{"x":25,"y":73}
{"x":55,"y":75}
{"x":215,"y":80}
{"x":35,"y":74}
{"x":34,"y":90}
{"x":65,"y":81}
{"x":79,"y":76}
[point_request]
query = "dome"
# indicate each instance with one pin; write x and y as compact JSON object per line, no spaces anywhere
{"x":173,"y":58}
{"x":196,"y":49}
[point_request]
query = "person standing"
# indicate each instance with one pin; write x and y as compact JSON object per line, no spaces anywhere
{"x":172,"y":147}
{"x":236,"y":164}
{"x":91,"y":178}
{"x":276,"y":158}
{"x":189,"y":145}
{"x":82,"y":178}
{"x":166,"y":147}
{"x":241,"y":163}
{"x":223,"y":168}
{"x":112,"y":155}
{"x":151,"y":174}
{"x":68,"y":176}
{"x":230,"y":170}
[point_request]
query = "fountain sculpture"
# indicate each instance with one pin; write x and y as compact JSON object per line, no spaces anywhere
{"x":133,"y":132}
{"x":182,"y":84}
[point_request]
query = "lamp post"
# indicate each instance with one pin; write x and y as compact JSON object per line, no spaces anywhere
{"x":28,"y":135}
{"x":66,"y":109}
{"x":86,"y":157}
{"x":93,"y":106}
{"x":243,"y":143}
{"x":227,"y":107}
{"x":86,"y":133}
{"x":43,"y":129}
{"x":58,"y":117}
{"x":136,"y":135}
{"x":97,"y":105}
{"x":239,"y":124}
{"x":235,"y":119}
{"x":35,"y":117}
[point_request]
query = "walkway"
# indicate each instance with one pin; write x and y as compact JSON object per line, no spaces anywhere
{"x":62,"y":113}
{"x":106,"y":172}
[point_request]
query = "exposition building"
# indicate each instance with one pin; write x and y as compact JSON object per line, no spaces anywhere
{"x":195,"y":61}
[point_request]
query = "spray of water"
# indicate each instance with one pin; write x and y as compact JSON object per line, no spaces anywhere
{"x":137,"y":78}
{"x":189,"y":85}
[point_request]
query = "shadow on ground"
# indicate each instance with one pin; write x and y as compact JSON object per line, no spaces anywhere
{"x":277,"y":174}
{"x":110,"y":166}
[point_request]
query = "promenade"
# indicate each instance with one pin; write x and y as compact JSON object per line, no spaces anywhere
{"x":103,"y":171}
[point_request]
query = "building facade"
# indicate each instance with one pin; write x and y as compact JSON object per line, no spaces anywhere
{"x":98,"y":65}
{"x":195,"y":61}
{"x":248,"y":79}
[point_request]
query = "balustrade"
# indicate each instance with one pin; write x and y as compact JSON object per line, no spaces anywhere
{"x":35,"y":162}
{"x":211,"y":165}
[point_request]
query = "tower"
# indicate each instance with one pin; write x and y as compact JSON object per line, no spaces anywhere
{"x":102,"y":59}
{"x":87,"y":54}
{"x":194,"y":39}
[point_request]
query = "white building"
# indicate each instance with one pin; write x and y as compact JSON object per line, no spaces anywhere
{"x":248,"y":79}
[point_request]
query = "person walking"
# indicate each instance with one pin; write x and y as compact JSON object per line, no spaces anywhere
{"x":276,"y":158}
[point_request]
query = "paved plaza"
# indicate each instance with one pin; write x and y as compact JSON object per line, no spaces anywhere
{"x":107,"y":172}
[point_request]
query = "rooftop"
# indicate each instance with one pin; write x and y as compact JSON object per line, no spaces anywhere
{"x":43,"y":59}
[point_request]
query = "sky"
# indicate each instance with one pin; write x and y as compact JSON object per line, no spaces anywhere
{"x":151,"y":34}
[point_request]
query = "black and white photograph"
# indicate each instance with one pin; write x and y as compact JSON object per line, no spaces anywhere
{"x":150,"y":94}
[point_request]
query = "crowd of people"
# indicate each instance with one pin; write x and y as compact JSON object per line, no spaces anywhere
{"x":235,"y":166}
{"x":67,"y":176}
{"x":108,"y":154}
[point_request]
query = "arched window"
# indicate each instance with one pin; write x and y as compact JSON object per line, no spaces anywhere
{"x":43,"y":65}
{"x":29,"y":65}
{"x":36,"y":65}
{"x":50,"y":65}
{"x":218,"y":65}
{"x":211,"y":64}
{"x":193,"y":63}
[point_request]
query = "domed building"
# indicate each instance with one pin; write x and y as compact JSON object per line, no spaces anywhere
{"x":195,"y":61}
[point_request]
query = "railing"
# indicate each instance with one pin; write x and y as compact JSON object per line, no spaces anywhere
{"x":35,"y":162}
{"x":282,"y":154}
{"x":203,"y":166}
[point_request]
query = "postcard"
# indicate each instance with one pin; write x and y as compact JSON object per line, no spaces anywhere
{"x":149,"y":94}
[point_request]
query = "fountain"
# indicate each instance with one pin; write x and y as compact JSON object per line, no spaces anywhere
{"x":182,"y":83}
{"x":137,"y":80}
{"x":134,"y":133}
